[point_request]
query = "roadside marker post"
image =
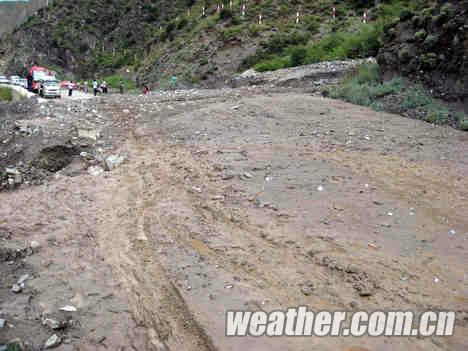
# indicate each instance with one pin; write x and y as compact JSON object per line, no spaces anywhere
{"x":334,"y":13}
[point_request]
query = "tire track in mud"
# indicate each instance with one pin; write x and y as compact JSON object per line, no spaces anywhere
{"x":156,"y":301}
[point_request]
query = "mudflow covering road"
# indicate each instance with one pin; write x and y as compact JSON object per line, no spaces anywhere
{"x":226,"y":200}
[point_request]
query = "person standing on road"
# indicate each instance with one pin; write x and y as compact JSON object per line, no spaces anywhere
{"x":104,"y":87}
{"x":121,"y":86}
{"x":70,"y":88}
{"x":95,"y":87}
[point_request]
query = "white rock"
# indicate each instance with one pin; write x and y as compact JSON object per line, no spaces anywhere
{"x":52,"y":342}
{"x":35,"y":245}
{"x":68,"y":308}
{"x":95,"y":171}
{"x":113,"y":161}
{"x":22,"y":279}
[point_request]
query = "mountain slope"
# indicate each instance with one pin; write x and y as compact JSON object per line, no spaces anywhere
{"x":159,"y":39}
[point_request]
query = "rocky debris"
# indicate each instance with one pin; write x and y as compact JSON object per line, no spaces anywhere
{"x":359,"y":279}
{"x":2,"y":323}
{"x":95,"y":171}
{"x":16,"y":288}
{"x":68,"y":308}
{"x":53,"y":342}
{"x":34,"y":245}
{"x":87,"y":133}
{"x":8,"y":255}
{"x":113,"y":161}
{"x":316,"y":74}
{"x":430,"y":46}
{"x":54,"y":324}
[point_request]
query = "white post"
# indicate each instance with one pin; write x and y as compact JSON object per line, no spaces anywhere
{"x":364,"y":17}
{"x":203,"y":11}
{"x":218,"y":8}
{"x":260,"y":19}
{"x":297,"y":17}
{"x":334,"y":13}
{"x":230,"y":4}
{"x":243,"y":10}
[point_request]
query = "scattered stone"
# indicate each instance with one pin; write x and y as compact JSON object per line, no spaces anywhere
{"x":95,"y":171}
{"x":247,"y":175}
{"x":87,"y":133}
{"x":113,"y":161}
{"x":68,"y":308}
{"x":52,"y":323}
{"x":34,"y":245}
{"x":22,"y":279}
{"x":52,"y":342}
{"x":308,"y":288}
{"x":16,"y":288}
{"x":366,"y":293}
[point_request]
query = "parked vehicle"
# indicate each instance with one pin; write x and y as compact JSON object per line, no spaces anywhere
{"x":15,"y":80}
{"x":50,"y":89}
{"x":4,"y":80}
{"x":23,"y":82}
{"x":43,"y":82}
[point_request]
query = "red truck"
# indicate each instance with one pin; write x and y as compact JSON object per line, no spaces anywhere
{"x":42,"y":81}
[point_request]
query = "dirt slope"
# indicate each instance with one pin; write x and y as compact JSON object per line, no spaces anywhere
{"x":218,"y":207}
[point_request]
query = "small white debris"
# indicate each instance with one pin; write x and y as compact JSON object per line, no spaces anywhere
{"x":52,"y":342}
{"x":452,"y":232}
{"x":16,"y":288}
{"x":229,"y":286}
{"x":197,"y":189}
{"x":436,"y":280}
{"x":95,"y":171}
{"x":68,"y":308}
{"x":320,"y":188}
{"x":113,"y":161}
{"x":390,"y":214}
{"x":22,"y":279}
{"x":34,"y":245}
{"x":248,"y":175}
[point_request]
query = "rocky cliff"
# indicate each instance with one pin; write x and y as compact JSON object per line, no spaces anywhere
{"x":14,"y":13}
{"x":431,"y":47}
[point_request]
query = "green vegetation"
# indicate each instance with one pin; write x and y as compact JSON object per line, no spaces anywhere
{"x":114,"y":82}
{"x":364,"y":87}
{"x":6,"y":94}
{"x":334,"y":46}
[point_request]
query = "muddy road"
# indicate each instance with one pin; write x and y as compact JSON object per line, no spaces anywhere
{"x":230,"y":200}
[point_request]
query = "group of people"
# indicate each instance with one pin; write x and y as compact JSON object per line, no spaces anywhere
{"x":97,"y":87}
{"x":100,"y":87}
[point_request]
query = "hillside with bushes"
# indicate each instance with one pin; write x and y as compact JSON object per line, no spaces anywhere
{"x":170,"y":42}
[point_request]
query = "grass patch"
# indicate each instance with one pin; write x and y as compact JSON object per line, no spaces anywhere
{"x":6,"y":94}
{"x":364,"y":87}
{"x":114,"y":82}
{"x":334,"y":46}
